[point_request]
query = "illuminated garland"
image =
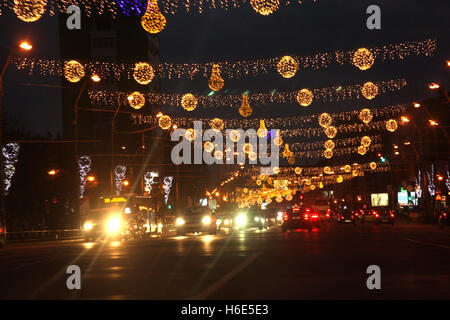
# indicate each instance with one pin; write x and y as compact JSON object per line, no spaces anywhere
{"x":307,"y":121}
{"x":11,"y":155}
{"x":138,"y":7}
{"x":337,"y":152}
{"x":304,"y":146}
{"x":167,"y":186}
{"x":328,"y":94}
{"x":119,"y":176}
{"x":149,"y":179}
{"x":228,"y":69}
{"x":84,"y":167}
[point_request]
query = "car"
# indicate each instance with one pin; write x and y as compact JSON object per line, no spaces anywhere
{"x":104,"y":222}
{"x":196,"y":219}
{"x":346,"y":215}
{"x":444,"y":218}
{"x":299,"y":218}
{"x":326,"y":216}
{"x":385,"y":216}
{"x":250,"y":218}
{"x":2,"y":235}
{"x":366,"y":215}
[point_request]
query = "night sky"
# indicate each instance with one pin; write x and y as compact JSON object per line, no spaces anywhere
{"x":242,"y":33}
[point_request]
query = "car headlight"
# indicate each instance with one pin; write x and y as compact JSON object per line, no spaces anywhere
{"x":206,"y":220}
{"x":226,"y":222}
{"x":113,"y":225}
{"x":241,"y":220}
{"x":256,"y":219}
{"x":88,"y":226}
{"x":180,"y":221}
{"x":218,"y":222}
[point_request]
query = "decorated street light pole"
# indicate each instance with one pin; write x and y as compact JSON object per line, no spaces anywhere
{"x":27,"y":47}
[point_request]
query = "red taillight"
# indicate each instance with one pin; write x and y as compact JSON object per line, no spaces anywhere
{"x":314,"y":216}
{"x":376,"y":215}
{"x":392,"y":215}
{"x":356,"y":214}
{"x":327,"y":215}
{"x":285,"y":216}
{"x":306,"y":216}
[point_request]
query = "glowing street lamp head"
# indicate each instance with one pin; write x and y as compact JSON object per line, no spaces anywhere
{"x":417,"y":105}
{"x":434,"y":86}
{"x":91,"y":178}
{"x":96,"y":78}
{"x":404,"y":119}
{"x":126,"y":183}
{"x":52,"y":172}
{"x":159,"y":114}
{"x":25,"y":46}
{"x":433,"y":123}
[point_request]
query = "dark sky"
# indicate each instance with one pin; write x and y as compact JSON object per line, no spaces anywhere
{"x":326,"y":25}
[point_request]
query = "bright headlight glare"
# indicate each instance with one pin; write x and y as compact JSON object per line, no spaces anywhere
{"x":113,"y":225}
{"x":218,"y":222}
{"x":180,"y":221}
{"x":226,"y":222}
{"x":206,"y":220}
{"x":88,"y":226}
{"x":241,"y":220}
{"x":256,"y":219}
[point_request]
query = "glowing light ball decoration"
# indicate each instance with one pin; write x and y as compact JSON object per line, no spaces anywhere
{"x":279,"y":199}
{"x":253,"y":156}
{"x":305,"y":97}
{"x":217,"y":124}
{"x":136,"y":100}
{"x":189,"y":102}
{"x":143,"y":73}
{"x":366,"y":141}
{"x":245,"y":110}
{"x":325,"y":120}
{"x":331,"y":132}
{"x":165,"y":122}
{"x":262,"y":130}
{"x":369,"y":90}
{"x":373,"y":165}
{"x":327,"y":170}
{"x":329,"y":145}
{"x":208,"y":146}
{"x":215,"y":82}
{"x":287,"y":67}
{"x":258,"y":182}
{"x":190,"y":134}
{"x":298,"y":170}
{"x":73,"y":71}
{"x":391,"y":125}
{"x":339,"y":179}
{"x":347,"y":168}
{"x":291,"y":160}
{"x":289,"y":197}
{"x":363,"y":59}
{"x":234,"y":135}
{"x":248,"y":148}
{"x":265,"y":7}
{"x":328,"y":154}
{"x":29,"y":10}
{"x":365,"y":115}
{"x":11,"y":154}
{"x":312,"y":187}
{"x":362,"y":150}
{"x":286,"y":151}
{"x":153,"y":21}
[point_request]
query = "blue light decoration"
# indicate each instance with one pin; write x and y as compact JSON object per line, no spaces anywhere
{"x":130,"y":7}
{"x":167,"y":186}
{"x":10,"y":154}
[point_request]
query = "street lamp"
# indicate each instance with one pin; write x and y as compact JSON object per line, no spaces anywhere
{"x":26,"y":47}
{"x":434,"y":86}
{"x":433,"y":123}
{"x":52,"y":172}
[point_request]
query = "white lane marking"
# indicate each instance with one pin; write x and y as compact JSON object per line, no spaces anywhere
{"x":216,"y":285}
{"x":427,"y":243}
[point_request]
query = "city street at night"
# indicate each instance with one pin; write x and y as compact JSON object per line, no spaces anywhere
{"x":326,"y":263}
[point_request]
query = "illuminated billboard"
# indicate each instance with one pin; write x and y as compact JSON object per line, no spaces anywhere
{"x":379,"y":199}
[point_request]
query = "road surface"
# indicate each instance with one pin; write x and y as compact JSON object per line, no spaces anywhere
{"x":326,"y":263}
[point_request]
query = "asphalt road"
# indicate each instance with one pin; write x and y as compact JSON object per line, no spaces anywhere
{"x":326,"y":263}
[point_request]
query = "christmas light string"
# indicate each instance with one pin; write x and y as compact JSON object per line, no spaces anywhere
{"x":327,"y":94}
{"x":228,"y":69}
{"x":11,"y":156}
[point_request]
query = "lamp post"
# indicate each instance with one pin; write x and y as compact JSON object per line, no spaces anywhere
{"x":26,"y":47}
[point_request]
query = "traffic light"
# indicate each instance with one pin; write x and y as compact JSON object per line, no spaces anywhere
{"x":382,"y":159}
{"x":169,"y":206}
